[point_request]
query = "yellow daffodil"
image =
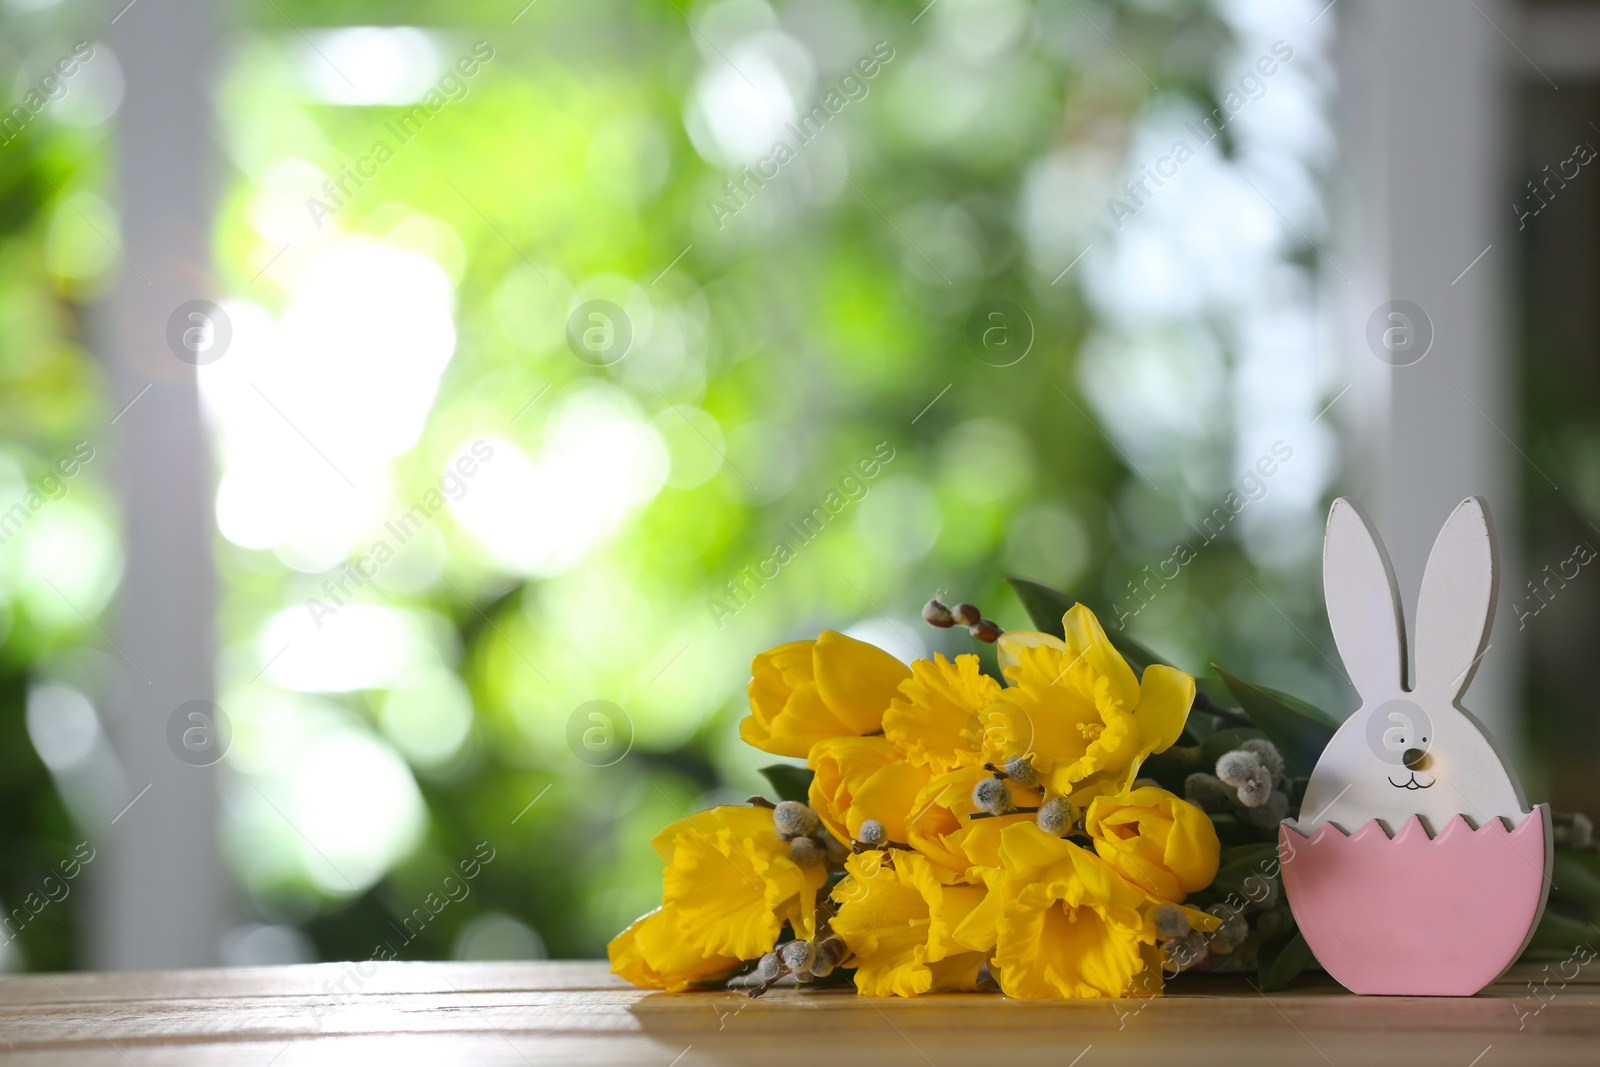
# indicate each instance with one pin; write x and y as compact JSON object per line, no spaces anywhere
{"x":860,"y":778}
{"x":897,"y":919}
{"x":1155,"y":840}
{"x":653,"y":954}
{"x":1062,"y":923}
{"x":807,"y":691}
{"x":730,"y":885}
{"x":1091,"y":721}
{"x":935,"y":719}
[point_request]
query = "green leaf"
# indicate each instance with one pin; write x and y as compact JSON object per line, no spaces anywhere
{"x":1282,"y":960}
{"x":1299,"y":735}
{"x":1309,"y":710}
{"x":788,"y":781}
{"x":1044,"y":605}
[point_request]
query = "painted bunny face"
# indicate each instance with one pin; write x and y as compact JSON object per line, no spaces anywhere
{"x":1400,"y":733}
{"x":1410,"y":749}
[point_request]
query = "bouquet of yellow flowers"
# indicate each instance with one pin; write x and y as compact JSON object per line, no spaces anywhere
{"x":957,"y":830}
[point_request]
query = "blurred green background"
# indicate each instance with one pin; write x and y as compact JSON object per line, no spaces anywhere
{"x":937,"y":280}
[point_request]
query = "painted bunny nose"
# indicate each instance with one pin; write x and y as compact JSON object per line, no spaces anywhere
{"x":1415,"y":759}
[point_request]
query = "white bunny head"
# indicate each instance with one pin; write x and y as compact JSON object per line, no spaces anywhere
{"x":1410,"y":749}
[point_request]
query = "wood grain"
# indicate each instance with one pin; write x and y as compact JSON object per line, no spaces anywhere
{"x":575,"y":1012}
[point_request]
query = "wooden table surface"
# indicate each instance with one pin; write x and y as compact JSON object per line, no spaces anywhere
{"x":575,"y":1012}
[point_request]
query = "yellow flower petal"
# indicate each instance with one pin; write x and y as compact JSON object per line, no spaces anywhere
{"x":1086,"y":638}
{"x":1046,"y":951}
{"x":776,"y":673}
{"x":897,"y":922}
{"x":889,"y":796}
{"x":1157,"y":841}
{"x":1092,"y":722}
{"x":808,"y":691}
{"x":939,"y":827}
{"x":804,"y":720}
{"x":857,"y":680}
{"x":1012,"y":642}
{"x":1067,"y":710}
{"x":730,"y":884}
{"x":861,"y":778}
{"x":934,"y":718}
{"x":843,"y":765}
{"x":958,"y":973}
{"x":979,"y":930}
{"x":652,"y":954}
{"x":1165,"y":696}
{"x":1067,"y":925}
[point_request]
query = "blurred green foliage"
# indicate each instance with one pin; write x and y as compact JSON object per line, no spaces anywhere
{"x":52,"y":265}
{"x":841,"y":313}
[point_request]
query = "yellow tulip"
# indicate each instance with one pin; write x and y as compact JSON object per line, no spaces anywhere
{"x":861,"y":778}
{"x":897,"y":919}
{"x":1087,"y":720}
{"x":1157,"y":841}
{"x":808,"y":691}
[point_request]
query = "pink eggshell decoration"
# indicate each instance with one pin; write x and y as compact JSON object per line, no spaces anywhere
{"x":1414,"y":916}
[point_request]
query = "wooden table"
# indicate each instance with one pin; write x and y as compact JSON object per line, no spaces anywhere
{"x":542,"y":1013}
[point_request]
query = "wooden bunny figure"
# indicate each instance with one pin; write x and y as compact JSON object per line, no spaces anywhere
{"x":1416,"y":866}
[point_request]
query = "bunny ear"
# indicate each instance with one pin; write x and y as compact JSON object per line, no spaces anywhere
{"x":1363,"y":604}
{"x":1457,"y":601}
